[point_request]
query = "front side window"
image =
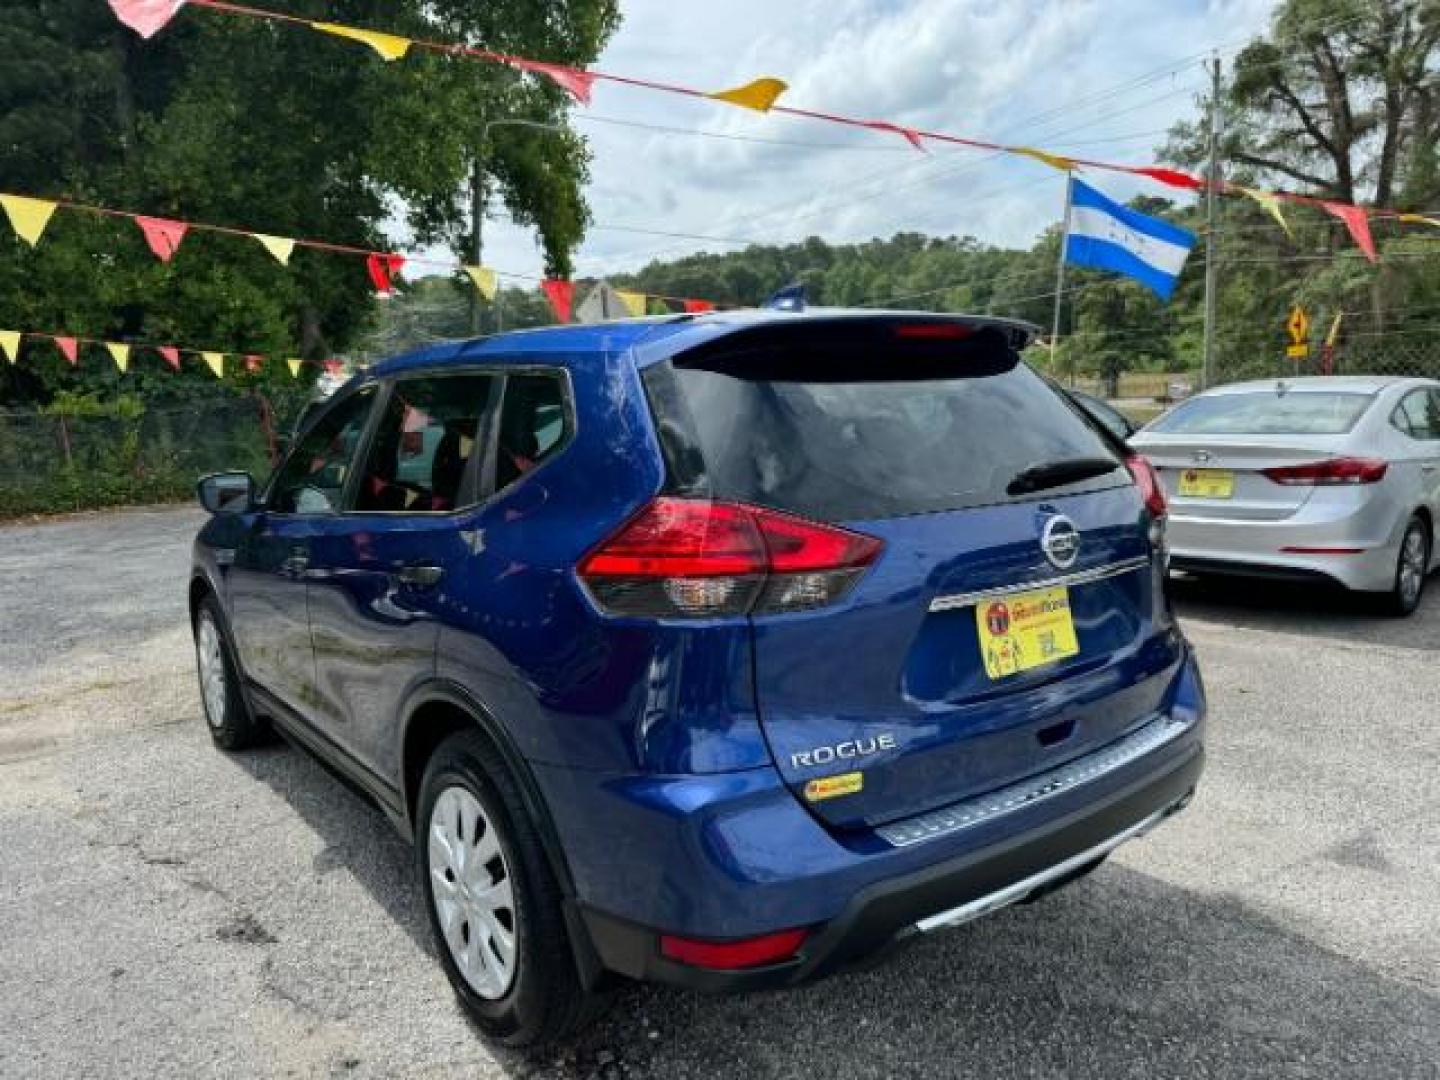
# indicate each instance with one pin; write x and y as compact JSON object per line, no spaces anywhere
{"x":419,"y":461}
{"x":312,"y":479}
{"x":533,"y":425}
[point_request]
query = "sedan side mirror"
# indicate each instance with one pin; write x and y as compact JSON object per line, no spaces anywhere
{"x":227,"y":493}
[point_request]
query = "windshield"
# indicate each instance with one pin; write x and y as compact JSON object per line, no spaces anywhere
{"x":1266,"y":412}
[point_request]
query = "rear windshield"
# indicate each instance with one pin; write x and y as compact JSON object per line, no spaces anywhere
{"x":847,"y":447}
{"x":1265,"y":412}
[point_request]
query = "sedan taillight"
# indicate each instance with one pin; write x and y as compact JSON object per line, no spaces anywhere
{"x":1330,"y":473}
{"x":1148,"y":481}
{"x":696,"y":558}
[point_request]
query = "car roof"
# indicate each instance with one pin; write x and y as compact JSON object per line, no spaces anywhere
{"x":658,"y":338}
{"x":1355,"y":384}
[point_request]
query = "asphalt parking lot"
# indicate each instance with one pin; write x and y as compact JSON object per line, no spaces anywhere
{"x":171,"y":911}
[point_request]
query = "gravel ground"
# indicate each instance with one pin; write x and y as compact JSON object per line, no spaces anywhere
{"x":172,"y":911}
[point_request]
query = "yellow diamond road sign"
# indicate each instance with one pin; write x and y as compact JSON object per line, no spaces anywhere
{"x":1299,"y":326}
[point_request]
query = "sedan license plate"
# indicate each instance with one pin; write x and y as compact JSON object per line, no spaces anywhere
{"x":1025,"y":630}
{"x":1207,"y":483}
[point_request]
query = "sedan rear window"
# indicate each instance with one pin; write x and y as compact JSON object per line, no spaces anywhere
{"x":1265,"y":412}
{"x":842,"y":438}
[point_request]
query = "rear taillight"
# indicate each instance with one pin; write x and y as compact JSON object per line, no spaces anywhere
{"x":1329,"y":473}
{"x":1148,"y":481}
{"x":684,"y":557}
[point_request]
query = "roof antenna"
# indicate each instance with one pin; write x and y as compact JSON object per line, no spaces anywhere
{"x":790,"y":298}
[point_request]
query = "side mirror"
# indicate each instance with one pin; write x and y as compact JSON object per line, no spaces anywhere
{"x":227,"y":493}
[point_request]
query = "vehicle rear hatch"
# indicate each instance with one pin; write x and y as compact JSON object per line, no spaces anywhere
{"x":915,"y":432}
{"x":1213,"y":452}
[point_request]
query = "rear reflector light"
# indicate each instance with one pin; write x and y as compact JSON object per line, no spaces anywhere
{"x":1148,"y":481}
{"x":684,"y":557}
{"x":733,"y":955}
{"x":1335,"y":471}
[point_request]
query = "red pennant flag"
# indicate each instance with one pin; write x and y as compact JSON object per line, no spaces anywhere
{"x":146,"y":17}
{"x":1173,"y":177}
{"x":561,"y":295}
{"x":578,"y":84}
{"x":911,"y":135}
{"x":70,"y":348}
{"x":698,"y":307}
{"x":163,"y":236}
{"x":1358,"y":222}
{"x":333,"y":367}
{"x":254,"y":363}
{"x":383,"y":268}
{"x":171,"y":355}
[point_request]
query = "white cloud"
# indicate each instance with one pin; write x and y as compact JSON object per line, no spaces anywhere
{"x":1062,"y":74}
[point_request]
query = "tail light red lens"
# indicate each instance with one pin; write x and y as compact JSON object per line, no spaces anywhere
{"x":684,"y":557}
{"x":1148,"y":481}
{"x":1330,"y":473}
{"x":733,"y":955}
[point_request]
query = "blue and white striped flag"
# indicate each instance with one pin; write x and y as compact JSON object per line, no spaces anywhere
{"x":1107,"y":236}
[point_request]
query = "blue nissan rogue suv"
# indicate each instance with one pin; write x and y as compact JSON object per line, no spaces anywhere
{"x":717,"y":651}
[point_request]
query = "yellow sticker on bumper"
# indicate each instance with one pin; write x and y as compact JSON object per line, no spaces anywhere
{"x":831,"y":786}
{"x":1025,"y":630}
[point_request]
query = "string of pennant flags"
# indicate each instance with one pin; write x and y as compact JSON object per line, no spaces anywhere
{"x":29,"y":216}
{"x":121,"y":352}
{"x":149,"y":17}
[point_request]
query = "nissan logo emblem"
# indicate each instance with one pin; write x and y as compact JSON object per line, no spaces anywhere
{"x":1060,"y":541}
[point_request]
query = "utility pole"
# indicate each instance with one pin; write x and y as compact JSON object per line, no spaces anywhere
{"x":1212,"y":241}
{"x":1060,"y":276}
{"x":477,"y":219}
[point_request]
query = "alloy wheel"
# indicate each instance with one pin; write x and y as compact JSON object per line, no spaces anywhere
{"x":212,"y":671}
{"x":471,"y":888}
{"x":1412,"y":565}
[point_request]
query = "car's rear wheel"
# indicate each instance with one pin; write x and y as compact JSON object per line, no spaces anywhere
{"x":1411,"y":568}
{"x":496,"y":910}
{"x":227,"y":713}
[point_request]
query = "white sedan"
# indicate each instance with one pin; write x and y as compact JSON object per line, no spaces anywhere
{"x":1332,"y":478}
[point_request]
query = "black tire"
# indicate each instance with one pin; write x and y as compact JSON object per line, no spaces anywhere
{"x":1406,"y":592}
{"x":545,"y":1002}
{"x":237,"y":727}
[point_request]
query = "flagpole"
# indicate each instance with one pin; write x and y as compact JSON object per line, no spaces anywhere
{"x":1060,"y":276}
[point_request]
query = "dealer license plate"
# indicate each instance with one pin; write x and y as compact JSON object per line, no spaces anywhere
{"x":1025,"y":630}
{"x":1207,"y":483}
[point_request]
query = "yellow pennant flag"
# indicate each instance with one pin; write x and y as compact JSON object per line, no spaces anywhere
{"x":387,"y":45}
{"x":215,"y":362}
{"x":759,"y":95}
{"x":484,"y":279}
{"x":1055,"y":161}
{"x":634,"y":302}
{"x":1271,"y":203}
{"x":294,"y":366}
{"x":1420,"y":219}
{"x":278,"y":246}
{"x":10,"y":345}
{"x":121,"y":353}
{"x":28,"y":216}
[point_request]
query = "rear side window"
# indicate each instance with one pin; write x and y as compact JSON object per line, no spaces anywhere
{"x":420,"y":456}
{"x":533,"y":425}
{"x":1266,"y":412}
{"x":850,"y":435}
{"x":1418,"y":415}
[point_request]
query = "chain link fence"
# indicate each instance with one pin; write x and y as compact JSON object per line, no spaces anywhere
{"x":52,"y":463}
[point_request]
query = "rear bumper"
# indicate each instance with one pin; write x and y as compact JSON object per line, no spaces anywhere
{"x":945,"y":894}
{"x":731,"y":856}
{"x":1366,"y":531}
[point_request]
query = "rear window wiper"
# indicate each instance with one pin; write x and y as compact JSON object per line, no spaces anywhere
{"x":1052,"y":474}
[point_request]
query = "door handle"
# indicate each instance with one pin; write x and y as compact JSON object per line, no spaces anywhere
{"x":1428,"y":468}
{"x":420,"y":577}
{"x":297,"y":563}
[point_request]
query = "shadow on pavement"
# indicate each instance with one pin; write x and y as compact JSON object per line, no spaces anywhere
{"x":1120,"y":975}
{"x":1307,"y":609}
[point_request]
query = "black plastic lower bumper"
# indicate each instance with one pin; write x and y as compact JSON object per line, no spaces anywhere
{"x":890,"y":909}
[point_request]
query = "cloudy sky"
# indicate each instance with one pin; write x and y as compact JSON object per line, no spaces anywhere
{"x":1099,"y":78}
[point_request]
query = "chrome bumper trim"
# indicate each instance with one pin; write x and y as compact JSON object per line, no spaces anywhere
{"x":971,"y":812}
{"x":1019,"y":890}
{"x":1080,"y":577}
